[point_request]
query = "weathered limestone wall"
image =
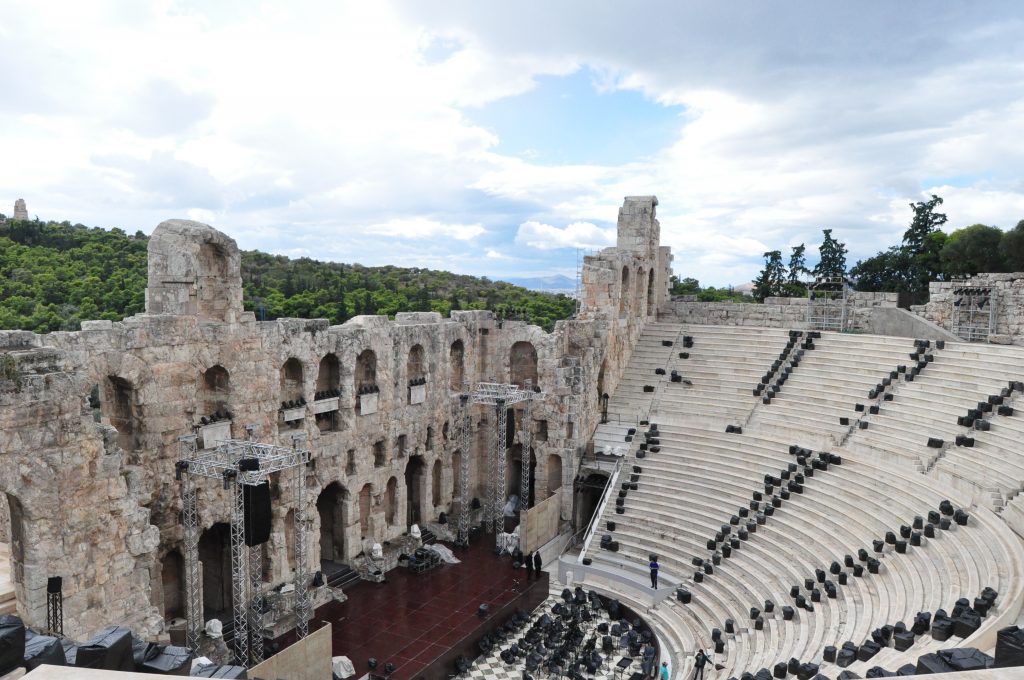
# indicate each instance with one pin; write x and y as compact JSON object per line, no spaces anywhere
{"x":91,"y":490}
{"x":1009,"y":315}
{"x":775,"y":312}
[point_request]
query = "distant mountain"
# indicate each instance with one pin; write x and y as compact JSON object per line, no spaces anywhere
{"x":555,"y":282}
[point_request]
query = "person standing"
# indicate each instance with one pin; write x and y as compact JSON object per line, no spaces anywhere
{"x":654,"y":571}
{"x":529,"y":566}
{"x":664,"y":670}
{"x":537,"y":563}
{"x":700,"y":660}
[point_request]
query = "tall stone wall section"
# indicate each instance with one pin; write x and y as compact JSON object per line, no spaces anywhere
{"x":1009,"y":308}
{"x":91,"y":489}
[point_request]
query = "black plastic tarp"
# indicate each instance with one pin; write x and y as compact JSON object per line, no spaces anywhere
{"x":12,"y":643}
{"x":214,"y":671}
{"x":932,"y":663}
{"x":1009,"y":647}
{"x":42,"y":649}
{"x":966,"y":659}
{"x":110,"y":649}
{"x":169,"y":660}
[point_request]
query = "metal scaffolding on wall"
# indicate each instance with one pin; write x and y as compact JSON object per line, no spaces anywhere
{"x":827,"y":303}
{"x":973,"y":316}
{"x":237,"y":464}
{"x":502,"y":396}
{"x":464,"y":437}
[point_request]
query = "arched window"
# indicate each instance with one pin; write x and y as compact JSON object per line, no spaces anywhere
{"x":365,"y":503}
{"x":523,"y":363}
{"x":328,"y":378}
{"x":391,"y":501}
{"x":650,"y":292}
{"x":640,"y":292}
{"x":624,"y":292}
{"x":554,"y":473}
{"x":435,"y":484}
{"x":366,"y":371}
{"x":415,"y":369}
{"x":291,"y":380}
{"x":457,"y":364}
{"x":120,"y":398}
{"x":215,"y":391}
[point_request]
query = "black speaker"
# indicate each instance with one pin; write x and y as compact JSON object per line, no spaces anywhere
{"x":257,"y":513}
{"x":54,"y":584}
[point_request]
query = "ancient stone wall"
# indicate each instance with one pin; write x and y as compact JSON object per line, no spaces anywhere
{"x":91,"y":419}
{"x":775,"y":312}
{"x":1008,"y":291}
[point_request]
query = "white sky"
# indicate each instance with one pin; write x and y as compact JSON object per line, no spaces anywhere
{"x":351,"y":130}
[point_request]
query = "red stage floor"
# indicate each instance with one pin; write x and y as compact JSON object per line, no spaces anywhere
{"x":412,"y":619}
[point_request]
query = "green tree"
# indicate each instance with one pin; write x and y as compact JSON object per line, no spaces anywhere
{"x":772,"y":279}
{"x":973,"y":249}
{"x":1012,"y":245}
{"x":925,"y":221}
{"x":795,"y":287}
{"x":832,"y":256}
{"x":687,"y":286}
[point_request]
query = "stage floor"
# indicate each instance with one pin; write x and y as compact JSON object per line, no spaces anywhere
{"x":412,"y":619}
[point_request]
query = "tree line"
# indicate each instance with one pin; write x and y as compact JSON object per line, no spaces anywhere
{"x":54,"y":275}
{"x":926,"y":253}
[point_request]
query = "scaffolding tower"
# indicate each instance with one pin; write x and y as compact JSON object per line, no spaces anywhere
{"x":464,"y":437}
{"x":973,"y":316}
{"x":236,"y":464}
{"x":827,"y":299}
{"x":501,"y":396}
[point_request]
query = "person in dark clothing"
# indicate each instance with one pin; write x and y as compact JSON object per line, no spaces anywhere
{"x":654,"y":573}
{"x":536,"y":563}
{"x":700,"y":660}
{"x":528,"y":561}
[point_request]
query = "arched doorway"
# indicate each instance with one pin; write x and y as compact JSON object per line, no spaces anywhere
{"x":514,"y":473}
{"x":456,"y":474}
{"x":624,"y":292}
{"x":172,"y":572}
{"x":588,"y":495}
{"x":215,"y":556}
{"x":330,"y":505}
{"x":365,"y":502}
{"x":15,"y":516}
{"x":415,"y":483}
{"x":391,"y":501}
{"x":554,"y":473}
{"x":650,"y":292}
{"x":435,"y":484}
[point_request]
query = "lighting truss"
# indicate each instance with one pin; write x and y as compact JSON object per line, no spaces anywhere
{"x":464,"y":437}
{"x":222,"y":463}
{"x":501,"y":396}
{"x":973,"y":317}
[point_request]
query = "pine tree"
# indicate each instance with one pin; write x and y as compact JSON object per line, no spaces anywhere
{"x":832,"y":260}
{"x":925,"y":222}
{"x":772,"y":279}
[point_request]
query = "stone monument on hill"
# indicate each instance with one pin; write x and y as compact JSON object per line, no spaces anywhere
{"x":20,"y":211}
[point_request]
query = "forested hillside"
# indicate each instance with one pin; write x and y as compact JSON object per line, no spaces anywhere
{"x":55,"y":275}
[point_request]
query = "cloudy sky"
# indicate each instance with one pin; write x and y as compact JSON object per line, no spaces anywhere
{"x":496,"y":138}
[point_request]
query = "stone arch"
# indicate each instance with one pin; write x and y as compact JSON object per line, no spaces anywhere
{"x":522,"y":363}
{"x":640,"y":297}
{"x":365,"y":508}
{"x":554,"y":473}
{"x":415,"y":490}
{"x":172,"y":577}
{"x":118,"y":405}
{"x":215,"y":556}
{"x":514,"y":473}
{"x":457,"y":480}
{"x":331,"y":507}
{"x":292,"y":381}
{"x":215,"y":390}
{"x":435,"y":483}
{"x":588,"y":496}
{"x":214,"y":268}
{"x":328,"y":376}
{"x":457,"y":364}
{"x":623,"y":292}
{"x":366,"y":371}
{"x":650,"y":292}
{"x":391,"y":501}
{"x":415,"y":365}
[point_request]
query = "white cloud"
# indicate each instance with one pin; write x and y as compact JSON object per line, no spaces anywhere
{"x":420,"y":227}
{"x":492,"y":254}
{"x":575,"y":235}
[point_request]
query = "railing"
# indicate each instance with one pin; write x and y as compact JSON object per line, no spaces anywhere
{"x":591,"y":528}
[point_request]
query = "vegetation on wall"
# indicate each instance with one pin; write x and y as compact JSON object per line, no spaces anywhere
{"x":55,"y":275}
